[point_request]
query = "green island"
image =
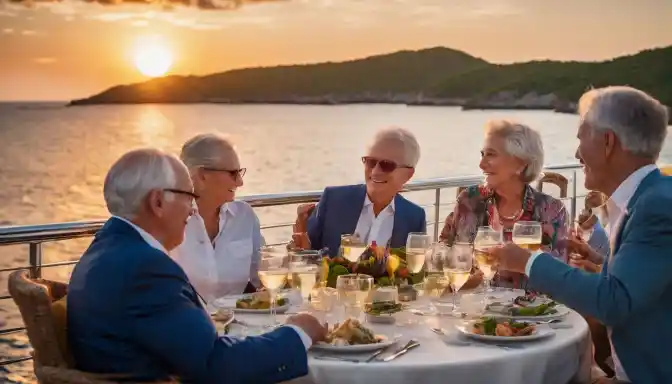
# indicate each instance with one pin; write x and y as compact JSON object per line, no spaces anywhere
{"x":435,"y":76}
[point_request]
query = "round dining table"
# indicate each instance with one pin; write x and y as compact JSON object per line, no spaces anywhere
{"x":561,"y":358}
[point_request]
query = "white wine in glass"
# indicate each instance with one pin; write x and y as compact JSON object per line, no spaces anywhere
{"x":457,"y":278}
{"x":527,"y":235}
{"x":352,"y":247}
{"x":457,"y":267}
{"x":273,"y":272}
{"x":417,"y":246}
{"x":486,"y":237}
{"x":354,"y":291}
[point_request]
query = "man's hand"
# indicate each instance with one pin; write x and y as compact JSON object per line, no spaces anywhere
{"x":586,"y":265}
{"x":310,"y":325}
{"x":510,"y":257}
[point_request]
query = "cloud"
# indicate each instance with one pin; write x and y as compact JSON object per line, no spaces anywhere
{"x":8,"y":31}
{"x":28,"y":32}
{"x":225,"y":5}
{"x":45,"y":60}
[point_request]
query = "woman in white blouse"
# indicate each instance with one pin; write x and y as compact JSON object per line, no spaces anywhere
{"x":220,"y":252}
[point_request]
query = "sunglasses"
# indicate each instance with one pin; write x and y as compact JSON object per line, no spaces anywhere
{"x":386,"y":166}
{"x":181,"y":192}
{"x":233,"y":172}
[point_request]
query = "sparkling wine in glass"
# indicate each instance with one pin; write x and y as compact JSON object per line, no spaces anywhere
{"x":352,"y":247}
{"x":486,"y":237}
{"x":273,"y":272}
{"x":354,"y":292}
{"x":305,"y":267}
{"x":527,"y":235}
{"x":417,"y":246}
{"x":457,"y":266}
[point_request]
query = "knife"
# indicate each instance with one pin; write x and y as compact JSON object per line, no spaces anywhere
{"x":401,"y":352}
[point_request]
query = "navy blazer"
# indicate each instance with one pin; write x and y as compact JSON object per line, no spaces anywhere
{"x":132,"y":311}
{"x":633,"y":293}
{"x":338,"y":213}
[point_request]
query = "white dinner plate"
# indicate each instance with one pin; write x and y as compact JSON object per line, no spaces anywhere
{"x":279,"y":310}
{"x":353,"y":348}
{"x":562,"y":311}
{"x":538,"y":333}
{"x":229,"y":302}
{"x":223,"y":323}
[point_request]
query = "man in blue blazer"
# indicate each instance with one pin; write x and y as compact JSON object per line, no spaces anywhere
{"x":375,"y":211}
{"x":132,"y":312}
{"x":621,"y":135}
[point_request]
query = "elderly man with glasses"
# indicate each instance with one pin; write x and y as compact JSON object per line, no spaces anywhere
{"x":373,"y":211}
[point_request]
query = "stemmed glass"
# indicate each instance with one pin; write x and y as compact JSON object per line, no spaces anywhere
{"x":417,"y":245}
{"x":352,"y":247}
{"x":436,"y":282}
{"x":527,"y":234}
{"x":273,"y":271}
{"x":354,"y":291}
{"x":305,"y":268}
{"x":457,"y":267}
{"x":486,"y":237}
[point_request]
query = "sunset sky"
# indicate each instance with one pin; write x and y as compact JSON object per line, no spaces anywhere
{"x":73,"y":49}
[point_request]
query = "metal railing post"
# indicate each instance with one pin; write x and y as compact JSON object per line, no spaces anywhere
{"x":573,"y":205}
{"x":35,"y":260}
{"x":437,"y":212}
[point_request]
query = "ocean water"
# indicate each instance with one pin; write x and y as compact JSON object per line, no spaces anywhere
{"x":53,"y":161}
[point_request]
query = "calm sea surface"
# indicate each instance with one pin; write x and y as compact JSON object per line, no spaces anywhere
{"x":53,"y":160}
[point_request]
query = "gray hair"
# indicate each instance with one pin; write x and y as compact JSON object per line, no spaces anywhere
{"x":134,"y":175}
{"x":522,"y":142}
{"x":205,"y":150}
{"x":637,"y":119}
{"x":403,"y":137}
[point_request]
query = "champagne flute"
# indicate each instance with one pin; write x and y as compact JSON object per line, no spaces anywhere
{"x":305,"y":268}
{"x":457,"y":267}
{"x":273,"y":271}
{"x":354,"y":291}
{"x":435,"y":282}
{"x":527,"y":234}
{"x":352,"y":247}
{"x":486,"y":237}
{"x":417,"y":245}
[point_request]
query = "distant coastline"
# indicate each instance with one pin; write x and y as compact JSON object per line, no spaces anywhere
{"x":429,"y":77}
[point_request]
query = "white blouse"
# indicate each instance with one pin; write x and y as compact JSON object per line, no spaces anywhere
{"x":225,"y":265}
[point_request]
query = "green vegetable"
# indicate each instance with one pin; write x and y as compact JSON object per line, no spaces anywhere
{"x":539,"y":310}
{"x":383,"y":307}
{"x":489,"y":324}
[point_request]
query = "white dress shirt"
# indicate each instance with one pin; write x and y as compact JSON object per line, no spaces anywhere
{"x":372,"y":228}
{"x":151,"y":240}
{"x":617,"y":205}
{"x":225,"y":265}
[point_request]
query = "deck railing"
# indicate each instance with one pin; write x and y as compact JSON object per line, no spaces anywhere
{"x":36,"y":235}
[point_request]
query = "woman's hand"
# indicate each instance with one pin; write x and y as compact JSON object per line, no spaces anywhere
{"x":447,"y":231}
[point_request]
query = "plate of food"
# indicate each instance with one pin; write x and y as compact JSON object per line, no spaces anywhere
{"x":498,"y":329}
{"x":382,"y":311}
{"x":259,"y":302}
{"x":528,"y":308}
{"x":351,"y":336}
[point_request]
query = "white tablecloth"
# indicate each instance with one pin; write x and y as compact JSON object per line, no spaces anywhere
{"x":560,"y":359}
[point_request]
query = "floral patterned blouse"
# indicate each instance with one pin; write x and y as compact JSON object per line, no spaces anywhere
{"x":476,"y":207}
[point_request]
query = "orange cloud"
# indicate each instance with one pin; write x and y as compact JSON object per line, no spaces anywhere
{"x":201,"y":4}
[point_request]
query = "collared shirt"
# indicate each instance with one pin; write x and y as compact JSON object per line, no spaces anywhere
{"x":617,"y":206}
{"x":151,"y":240}
{"x":225,"y":265}
{"x":372,"y":228}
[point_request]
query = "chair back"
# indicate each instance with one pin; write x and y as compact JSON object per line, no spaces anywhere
{"x":34,"y":299}
{"x":555,"y":179}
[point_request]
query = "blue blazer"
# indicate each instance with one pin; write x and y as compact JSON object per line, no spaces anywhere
{"x":338,"y":213}
{"x":633,"y":293}
{"x":132,"y":311}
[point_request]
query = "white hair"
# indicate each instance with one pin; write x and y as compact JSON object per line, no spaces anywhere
{"x":405,"y":139}
{"x":637,"y":119}
{"x":134,"y":175}
{"x":522,"y":142}
{"x":206,"y":150}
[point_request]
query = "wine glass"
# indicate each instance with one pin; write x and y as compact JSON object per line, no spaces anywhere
{"x":273,"y":271}
{"x":435,"y":282}
{"x":354,"y":291}
{"x":352,"y":247}
{"x":457,"y":266}
{"x":305,"y":268}
{"x":322,"y":300}
{"x":527,"y":234}
{"x":486,"y":237}
{"x":417,"y":245}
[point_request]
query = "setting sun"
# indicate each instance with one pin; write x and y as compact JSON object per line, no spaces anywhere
{"x":152,"y":57}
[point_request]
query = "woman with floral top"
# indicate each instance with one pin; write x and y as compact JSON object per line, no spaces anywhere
{"x":512,"y":157}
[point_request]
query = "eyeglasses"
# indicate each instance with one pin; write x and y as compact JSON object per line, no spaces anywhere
{"x":181,"y":192}
{"x":386,"y":166}
{"x":233,"y":172}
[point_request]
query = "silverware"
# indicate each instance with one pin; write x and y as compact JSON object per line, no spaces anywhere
{"x":378,"y":353}
{"x":410,"y":345}
{"x":335,"y":358}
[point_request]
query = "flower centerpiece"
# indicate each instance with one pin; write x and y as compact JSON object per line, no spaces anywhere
{"x":387,"y":266}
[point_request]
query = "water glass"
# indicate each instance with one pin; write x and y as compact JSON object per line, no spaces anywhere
{"x":354,"y":292}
